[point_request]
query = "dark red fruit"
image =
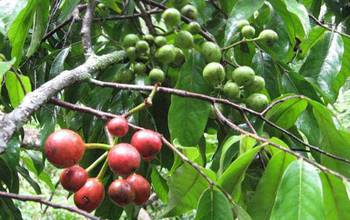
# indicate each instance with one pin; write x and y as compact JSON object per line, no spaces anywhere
{"x":121,"y":192}
{"x":118,"y":126}
{"x":147,"y":142}
{"x":141,"y":187}
{"x":73,"y":178}
{"x":90,"y":196}
{"x":123,"y":159}
{"x":64,"y":148}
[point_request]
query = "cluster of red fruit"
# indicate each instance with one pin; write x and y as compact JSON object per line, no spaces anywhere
{"x":64,"y":148}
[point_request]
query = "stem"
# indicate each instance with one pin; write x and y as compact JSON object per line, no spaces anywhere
{"x":103,"y":170}
{"x":239,"y":42}
{"x":99,"y":160}
{"x":97,"y":146}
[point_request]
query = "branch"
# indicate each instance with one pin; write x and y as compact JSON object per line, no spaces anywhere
{"x":319,"y":23}
{"x":39,"y":199}
{"x":146,"y":17}
{"x":34,"y":100}
{"x":86,"y":28}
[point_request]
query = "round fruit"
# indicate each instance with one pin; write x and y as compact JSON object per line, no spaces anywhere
{"x":139,"y":68}
{"x":257,"y":85}
{"x":149,"y":38}
{"x":214,"y":73}
{"x":147,"y":142}
{"x":241,"y":24}
{"x":243,"y":75}
{"x":123,"y":76}
{"x":179,"y":58}
{"x":211,"y":52}
{"x":160,"y":41}
{"x":189,"y":11}
{"x":166,"y":54}
{"x":118,"y":126}
{"x":142,"y":47}
{"x":123,"y":159}
{"x":257,"y":101}
{"x":231,"y":90}
{"x":131,"y":53}
{"x":248,"y":31}
{"x":73,"y":178}
{"x":171,"y":17}
{"x":130,"y":40}
{"x":194,"y":27}
{"x":90,"y":196}
{"x":268,"y":36}
{"x":64,"y":148}
{"x":184,"y":39}
{"x":121,"y":192}
{"x":141,"y":187}
{"x":156,"y":75}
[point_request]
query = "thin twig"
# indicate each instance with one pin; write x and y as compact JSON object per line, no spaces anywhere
{"x":319,"y":23}
{"x":86,"y":28}
{"x":146,"y":17}
{"x":270,"y":106}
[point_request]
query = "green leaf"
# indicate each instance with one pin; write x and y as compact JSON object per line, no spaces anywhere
{"x":224,"y":159}
{"x":112,"y":5}
{"x":323,"y":64}
{"x":191,"y":114}
{"x":14,"y":87}
{"x":9,"y":11}
{"x":213,"y":205}
{"x":159,"y":185}
{"x":264,"y":197}
{"x":67,"y":8}
{"x":6,"y":66}
{"x":345,"y":68}
{"x":57,"y":65}
{"x":299,"y":195}
{"x":227,"y":5}
{"x":30,"y":180}
{"x":335,"y":199}
{"x":185,"y":188}
{"x":316,"y":33}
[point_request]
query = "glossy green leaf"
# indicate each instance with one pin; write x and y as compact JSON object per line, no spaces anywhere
{"x":5,"y":66}
{"x":25,"y":174}
{"x":299,"y":195}
{"x":316,"y":34}
{"x":67,"y":8}
{"x":213,"y":205}
{"x":224,"y":159}
{"x":9,"y":11}
{"x":159,"y":185}
{"x":15,"y":85}
{"x":57,"y":65}
{"x":345,"y":66}
{"x":112,"y":5}
{"x":227,"y":5}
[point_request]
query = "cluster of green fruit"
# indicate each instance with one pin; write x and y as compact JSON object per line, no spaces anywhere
{"x":64,"y":148}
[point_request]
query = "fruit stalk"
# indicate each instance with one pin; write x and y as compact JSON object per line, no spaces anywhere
{"x":103,"y":170}
{"x":99,"y":160}
{"x":97,"y":146}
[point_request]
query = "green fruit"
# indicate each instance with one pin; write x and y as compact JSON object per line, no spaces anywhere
{"x":139,"y":68}
{"x":243,"y":75}
{"x":171,"y":17}
{"x":189,"y":11}
{"x":184,"y":39}
{"x":166,"y":54}
{"x":149,"y":38}
{"x":257,"y":85}
{"x":124,"y":76}
{"x":142,"y":47}
{"x":214,"y":73}
{"x":156,"y":75}
{"x":211,"y":52}
{"x":248,"y":31}
{"x":130,"y":40}
{"x":160,"y":41}
{"x":131,"y":53}
{"x":257,"y":101}
{"x":194,"y":27}
{"x":241,"y":23}
{"x":268,"y":36}
{"x":179,"y":58}
{"x":231,"y":90}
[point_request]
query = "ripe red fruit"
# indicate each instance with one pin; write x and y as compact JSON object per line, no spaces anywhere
{"x":141,"y":187}
{"x":64,"y":148}
{"x":73,"y":178}
{"x":118,"y":126}
{"x":123,"y":159}
{"x":121,"y":192}
{"x":90,"y":196}
{"x":147,"y":142}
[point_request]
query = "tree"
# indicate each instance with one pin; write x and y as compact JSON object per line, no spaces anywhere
{"x":222,"y":108}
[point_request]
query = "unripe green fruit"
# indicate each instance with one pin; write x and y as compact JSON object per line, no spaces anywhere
{"x":184,"y":39}
{"x":243,"y":75}
{"x":214,"y":73}
{"x":231,"y":90}
{"x":257,"y":101}
{"x":131,"y":53}
{"x":241,"y":23}
{"x":171,"y":17}
{"x":166,"y":54}
{"x":211,"y":52}
{"x":142,"y":47}
{"x":268,"y":36}
{"x":160,"y":41}
{"x":124,"y":76}
{"x":179,"y":58}
{"x":189,"y":11}
{"x":248,"y":31}
{"x":149,"y":38}
{"x":156,"y":75}
{"x":257,"y":85}
{"x":130,"y":40}
{"x":139,"y":68}
{"x":194,"y":27}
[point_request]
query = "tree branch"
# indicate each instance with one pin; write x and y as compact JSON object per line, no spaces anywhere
{"x":319,"y":23}
{"x":86,"y":28}
{"x":146,"y":17}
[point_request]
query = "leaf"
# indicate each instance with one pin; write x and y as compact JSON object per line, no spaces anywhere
{"x":57,"y":65}
{"x":316,"y":33}
{"x":14,"y":87}
{"x":26,"y":176}
{"x":188,"y":113}
{"x":159,"y":185}
{"x":299,"y":195}
{"x":112,"y":5}
{"x":227,"y":5}
{"x":345,"y":68}
{"x":67,"y":8}
{"x":6,"y":66}
{"x":323,"y":64}
{"x":264,"y":197}
{"x":9,"y":11}
{"x":213,"y":205}
{"x":224,"y":160}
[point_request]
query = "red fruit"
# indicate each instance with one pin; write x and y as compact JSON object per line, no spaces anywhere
{"x":73,"y":178}
{"x":90,"y":196}
{"x":141,"y":187}
{"x":123,"y":159}
{"x":147,"y":142}
{"x":118,"y":126}
{"x":121,"y":192}
{"x":64,"y":148}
